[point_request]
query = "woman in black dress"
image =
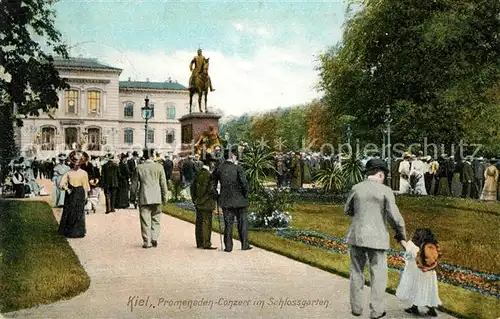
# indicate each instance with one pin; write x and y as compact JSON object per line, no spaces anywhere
{"x":76,"y":184}
{"x":122,"y":198}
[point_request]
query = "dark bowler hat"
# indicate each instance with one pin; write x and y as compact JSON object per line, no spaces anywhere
{"x":232,"y":150}
{"x":375,"y":164}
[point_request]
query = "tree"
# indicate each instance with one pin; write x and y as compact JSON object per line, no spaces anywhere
{"x":265,"y":127}
{"x":34,"y":80}
{"x":432,"y":62}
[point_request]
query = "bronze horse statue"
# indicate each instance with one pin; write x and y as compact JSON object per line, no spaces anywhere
{"x":200,"y":87}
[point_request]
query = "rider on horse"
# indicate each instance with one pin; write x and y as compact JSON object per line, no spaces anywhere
{"x":197,"y":62}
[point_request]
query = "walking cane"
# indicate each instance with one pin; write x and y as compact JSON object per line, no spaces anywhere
{"x":220,"y":224}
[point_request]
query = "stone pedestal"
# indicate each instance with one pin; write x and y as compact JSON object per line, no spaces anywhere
{"x":192,"y":127}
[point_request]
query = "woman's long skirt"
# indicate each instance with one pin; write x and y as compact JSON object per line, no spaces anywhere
{"x":72,"y":222}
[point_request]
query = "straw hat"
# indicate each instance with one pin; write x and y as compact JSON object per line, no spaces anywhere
{"x":94,"y":182}
{"x":406,"y":155}
{"x":76,"y":158}
{"x":62,"y":157}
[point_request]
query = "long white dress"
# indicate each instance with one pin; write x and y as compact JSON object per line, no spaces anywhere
{"x":419,"y":168}
{"x":417,"y":287}
{"x":404,"y":183}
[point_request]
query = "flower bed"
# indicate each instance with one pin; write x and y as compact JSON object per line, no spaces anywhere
{"x":484,"y":283}
{"x":278,"y":220}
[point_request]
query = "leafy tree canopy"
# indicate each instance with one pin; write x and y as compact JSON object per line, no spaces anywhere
{"x":434,"y":63}
{"x":34,"y":81}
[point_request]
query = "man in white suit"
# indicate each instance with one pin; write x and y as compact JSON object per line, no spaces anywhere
{"x":371,"y":205}
{"x":149,"y":181}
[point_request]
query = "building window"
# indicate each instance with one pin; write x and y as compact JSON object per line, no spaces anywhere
{"x":151,"y":136}
{"x":128,"y":111}
{"x":170,"y":137}
{"x":94,"y":101}
{"x":128,"y":136}
{"x":170,"y":111}
{"x":71,"y":101}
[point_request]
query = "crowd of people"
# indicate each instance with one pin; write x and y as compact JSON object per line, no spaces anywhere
{"x":127,"y":179}
{"x":447,"y":176}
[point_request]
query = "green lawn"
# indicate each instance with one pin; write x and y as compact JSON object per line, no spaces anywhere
{"x":37,"y":265}
{"x":467,"y":231}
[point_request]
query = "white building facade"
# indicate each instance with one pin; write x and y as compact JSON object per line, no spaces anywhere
{"x":100,"y":114}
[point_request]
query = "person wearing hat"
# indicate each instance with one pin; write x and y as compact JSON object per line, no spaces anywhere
{"x":233,"y":198}
{"x":490,"y":188}
{"x":370,"y":204}
{"x":76,"y":184}
{"x":123,"y":196}
{"x":59,"y":170}
{"x":18,"y":182}
{"x":110,"y":183}
{"x":150,"y":188}
{"x":296,"y":172}
{"x":132,"y":164}
{"x":419,"y":169}
{"x":467,"y":178}
{"x":404,"y":174}
{"x":479,"y":166}
{"x":204,"y":196}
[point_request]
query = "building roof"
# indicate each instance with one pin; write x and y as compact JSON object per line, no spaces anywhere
{"x":167,"y":85}
{"x":82,"y":63}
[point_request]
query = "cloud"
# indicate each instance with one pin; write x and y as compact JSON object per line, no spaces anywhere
{"x":253,"y":29}
{"x":272,"y":77}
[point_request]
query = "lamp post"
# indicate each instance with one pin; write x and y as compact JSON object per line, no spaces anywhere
{"x":388,"y":120}
{"x":147,"y":114}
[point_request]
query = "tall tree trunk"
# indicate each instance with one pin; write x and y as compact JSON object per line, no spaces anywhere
{"x":8,"y":149}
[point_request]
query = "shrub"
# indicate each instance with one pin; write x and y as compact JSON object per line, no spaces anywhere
{"x":176,"y":188}
{"x":257,"y":161}
{"x":353,"y":171}
{"x":270,"y":208}
{"x":332,"y":179}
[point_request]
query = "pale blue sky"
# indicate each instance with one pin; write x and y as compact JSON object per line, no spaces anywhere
{"x":144,"y":37}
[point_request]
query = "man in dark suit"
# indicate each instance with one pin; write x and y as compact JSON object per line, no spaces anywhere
{"x":204,"y":195}
{"x":188,"y":171}
{"x":233,"y":199}
{"x":168,"y":166}
{"x":110,"y":172}
{"x":132,"y":164}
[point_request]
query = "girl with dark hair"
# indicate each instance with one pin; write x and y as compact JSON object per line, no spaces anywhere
{"x":418,"y":283}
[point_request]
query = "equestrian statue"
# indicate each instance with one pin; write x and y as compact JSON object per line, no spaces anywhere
{"x":199,"y":82}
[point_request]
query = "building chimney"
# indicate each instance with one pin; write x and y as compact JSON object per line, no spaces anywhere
{"x":129,"y":78}
{"x":169,"y":80}
{"x":147,"y":80}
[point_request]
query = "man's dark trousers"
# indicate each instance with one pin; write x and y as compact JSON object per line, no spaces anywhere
{"x":110,"y":194}
{"x":203,"y":228}
{"x":241,"y":217}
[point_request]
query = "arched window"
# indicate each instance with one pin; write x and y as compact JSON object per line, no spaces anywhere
{"x":128,"y":111}
{"x":94,"y":101}
{"x":170,"y":111}
{"x":71,"y":99}
{"x":128,"y":136}
{"x":170,"y":137}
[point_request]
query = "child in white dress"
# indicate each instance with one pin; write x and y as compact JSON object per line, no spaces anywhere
{"x":418,"y":283}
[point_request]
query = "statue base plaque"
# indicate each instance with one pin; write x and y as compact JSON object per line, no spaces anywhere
{"x":192,"y":127}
